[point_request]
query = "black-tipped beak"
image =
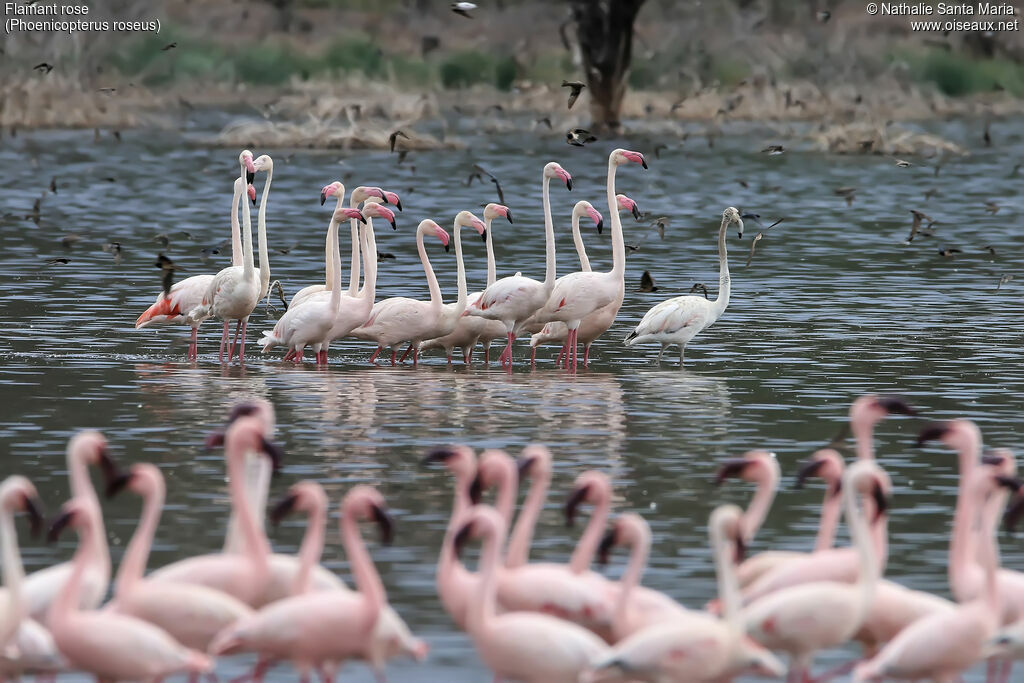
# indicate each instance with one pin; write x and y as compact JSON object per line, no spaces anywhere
{"x":58,"y":525}
{"x":249,"y":177}
{"x":809,"y":469}
{"x":437,"y":455}
{"x":568,"y":184}
{"x":462,"y":538}
{"x":398,"y":204}
{"x":242,"y":410}
{"x":117,"y":484}
{"x":605,"y":548}
{"x":932,"y":432}
{"x":577,"y":497}
{"x":483,"y":236}
{"x":323,"y":198}
{"x":636,"y":212}
{"x":108,"y":466}
{"x":385,"y":524}
{"x":214,"y":439}
{"x":1011,"y":483}
{"x":34,"y":510}
{"x":523,"y":465}
{"x":446,"y":249}
{"x":283,"y":508}
{"x":741,"y":550}
{"x":274,"y":452}
{"x":881,"y":502}
{"x":730,"y":468}
{"x":394,"y":225}
{"x":508,"y":215}
{"x":1013,"y":513}
{"x":600,"y":226}
{"x":991,"y":459}
{"x":476,"y":490}
{"x":896,"y":405}
{"x":643,"y":163}
{"x":254,"y":201}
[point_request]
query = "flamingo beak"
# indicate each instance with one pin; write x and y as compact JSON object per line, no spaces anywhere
{"x":895,"y":405}
{"x":476,"y":490}
{"x":636,"y":211}
{"x":117,"y":484}
{"x":933,"y":432}
{"x":523,"y":465}
{"x":571,"y":505}
{"x":323,"y":197}
{"x":58,"y":525}
{"x":483,"y":236}
{"x":283,"y":508}
{"x":730,"y":468}
{"x":809,"y":469}
{"x":438,"y":455}
{"x":252,"y":194}
{"x":34,"y":510}
{"x":1013,"y":513}
{"x":242,"y":410}
{"x":605,"y":548}
{"x":881,"y":502}
{"x":385,"y":523}
{"x":508,"y":215}
{"x":214,"y":439}
{"x":392,"y":198}
{"x":274,"y":452}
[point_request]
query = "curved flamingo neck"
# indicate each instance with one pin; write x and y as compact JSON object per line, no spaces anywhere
{"x":435,"y":289}
{"x":460,"y":302}
{"x":236,"y":230}
{"x":618,"y":270}
{"x":68,"y":598}
{"x":863,"y":431}
{"x":639,"y":552}
{"x":725,"y":575}
{"x":312,"y":548}
{"x":988,"y":548}
{"x":492,"y":270}
{"x":330,"y":272}
{"x":368,"y":243}
{"x":759,"y":506}
{"x":484,"y":608}
{"x":81,"y":487}
{"x":830,"y":509}
{"x":518,"y":552}
{"x":332,"y":239}
{"x":14,"y":574}
{"x":353,"y":276}
{"x":248,"y":268}
{"x":261,"y":227}
{"x":863,"y":542}
{"x":448,"y":560}
{"x":366,"y":578}
{"x":256,"y":547}
{"x":133,"y":564}
{"x":549,"y":237}
{"x":591,"y":538}
{"x":577,"y":240}
{"x":724,"y":281}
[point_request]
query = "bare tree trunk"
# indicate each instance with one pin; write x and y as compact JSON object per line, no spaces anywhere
{"x":604,"y":31}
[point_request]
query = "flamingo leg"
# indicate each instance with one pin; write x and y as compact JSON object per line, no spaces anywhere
{"x":681,"y":349}
{"x":533,"y":356}
{"x":376,"y":353}
{"x":575,"y":332}
{"x":487,"y":352}
{"x":393,"y":354}
{"x":193,"y":348}
{"x":586,"y":355}
{"x":660,"y":354}
{"x":241,"y":346}
{"x":506,"y":355}
{"x":416,"y":355}
{"x":561,"y":353}
{"x":223,"y":341}
{"x":406,"y":354}
{"x":299,"y":353}
{"x":234,"y":340}
{"x":289,"y":355}
{"x":467,"y":355}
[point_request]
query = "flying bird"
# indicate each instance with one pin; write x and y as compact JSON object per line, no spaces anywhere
{"x":53,"y":261}
{"x":168,"y":46}
{"x":393,"y":138}
{"x":463,"y":8}
{"x":823,"y":16}
{"x":53,"y":184}
{"x":915,"y":228}
{"x":773,"y":150}
{"x":574,"y":94}
{"x":1003,"y":280}
{"x":700,"y":287}
{"x":647,"y":282}
{"x":577,"y":137}
{"x":44,"y":67}
{"x":478,"y":173}
{"x":167,"y":266}
{"x":546,"y":120}
{"x":847,"y":193}
{"x":948,"y":252}
{"x":903,"y":164}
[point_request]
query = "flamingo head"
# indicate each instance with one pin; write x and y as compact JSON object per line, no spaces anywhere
{"x":362,"y":193}
{"x":476,"y":522}
{"x":755,"y":467}
{"x":459,"y":460}
{"x":143,"y":479}
{"x":492,"y":211}
{"x":627,"y":204}
{"x":1001,"y":458}
{"x":871,"y":409}
{"x":535,"y":462}
{"x":248,"y":433}
{"x":251,"y":192}
{"x":305,"y":496}
{"x":428,"y":225}
{"x":245,"y":159}
{"x":18,"y":494}
{"x":263,"y":163}
{"x":466,"y":219}
{"x":77,"y":513}
{"x":585,"y":208}
{"x":342,"y":214}
{"x":367,"y":504}
{"x":375,"y":210}
{"x":591,"y":487}
{"x":726,"y":526}
{"x":494,"y":469}
{"x":335,"y":188}
{"x":554,"y":170}
{"x":90,"y":447}
{"x":959,"y":435}
{"x":827,"y":464}
{"x":868,"y":479}
{"x":628,"y":529}
{"x":625,"y":156}
{"x":730,"y":216}
{"x":259,"y":407}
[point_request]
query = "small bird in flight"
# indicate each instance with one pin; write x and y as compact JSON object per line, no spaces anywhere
{"x":577,"y":137}
{"x":647,"y":282}
{"x":948,"y":252}
{"x":168,"y":46}
{"x":463,"y":8}
{"x":393,"y":138}
{"x":54,"y":261}
{"x":44,"y":67}
{"x":773,"y":150}
{"x":576,"y":86}
{"x":915,"y":228}
{"x":700,"y":287}
{"x":903,"y":164}
{"x":1003,"y":280}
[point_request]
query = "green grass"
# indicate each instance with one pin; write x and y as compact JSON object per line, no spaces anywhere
{"x":958,"y":75}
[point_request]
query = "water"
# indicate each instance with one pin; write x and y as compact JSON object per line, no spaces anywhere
{"x":834,"y":304}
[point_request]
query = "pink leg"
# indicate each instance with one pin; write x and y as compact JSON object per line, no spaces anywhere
{"x":193,"y":348}
{"x":416,"y":355}
{"x":586,"y":355}
{"x":393,"y":354}
{"x":231,"y":351}
{"x":533,"y":356}
{"x":241,"y":347}
{"x":449,"y":358}
{"x":223,"y":341}
{"x":506,"y":355}
{"x":574,"y":349}
{"x":467,"y":355}
{"x":298,"y":354}
{"x":561,"y":353}
{"x":376,"y":353}
{"x":404,"y":355}
{"x":289,"y":355}
{"x":487,"y":352}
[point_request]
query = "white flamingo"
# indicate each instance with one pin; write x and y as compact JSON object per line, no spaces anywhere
{"x":187,"y":294}
{"x":679,"y":320}
{"x":310,"y":322}
{"x":512,"y":300}
{"x":472,"y":329}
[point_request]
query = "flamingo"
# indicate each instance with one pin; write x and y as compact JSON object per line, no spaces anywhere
{"x":803,"y":619}
{"x":633,"y":615}
{"x":514,"y":299}
{"x":310,"y":323}
{"x":246,"y":576}
{"x":25,"y":645}
{"x":398,"y":319}
{"x":580,"y":294}
{"x":471,"y":329}
{"x":41,"y":588}
{"x":262,"y":163}
{"x":187,"y":294}
{"x":943,"y":645}
{"x":523,"y":646}
{"x":595,"y":324}
{"x":762,"y":469}
{"x":192,"y":614}
{"x":335,"y":189}
{"x":359,"y":195}
{"x":678,"y":320}
{"x":314,"y":630}
{"x":108,"y":645}
{"x":695,"y":646}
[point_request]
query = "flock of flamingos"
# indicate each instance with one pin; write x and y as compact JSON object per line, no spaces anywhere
{"x":572,"y":309}
{"x":539,"y":622}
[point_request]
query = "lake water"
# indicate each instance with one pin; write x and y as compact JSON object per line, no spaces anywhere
{"x":833,"y":305}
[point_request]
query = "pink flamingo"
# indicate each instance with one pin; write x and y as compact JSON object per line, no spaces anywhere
{"x":359,"y":195}
{"x":245,"y":576}
{"x":26,"y":646}
{"x":593,"y":325}
{"x":400,"y":319}
{"x":471,"y":329}
{"x":524,"y":646}
{"x":41,"y":588}
{"x":514,"y":299}
{"x":187,"y":294}
{"x":108,"y":645}
{"x":943,"y":645}
{"x":695,"y":645}
{"x":678,"y":320}
{"x":314,"y":630}
{"x":633,"y":615}
{"x":191,"y":613}
{"x":310,"y":322}
{"x":580,"y":294}
{"x":803,"y":619}
{"x":761,"y":469}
